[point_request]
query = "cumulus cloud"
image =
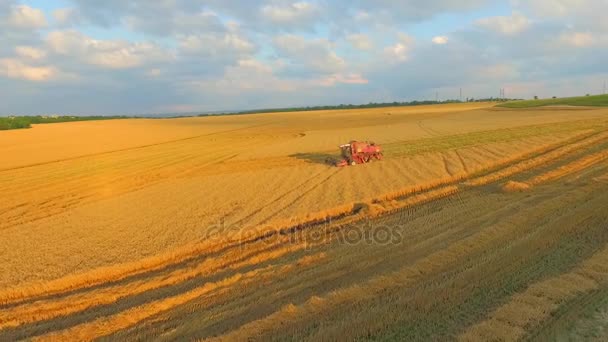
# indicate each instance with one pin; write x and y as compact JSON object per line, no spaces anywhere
{"x":135,"y":56}
{"x":502,"y":71}
{"x":248,"y":74}
{"x":316,"y":55}
{"x":412,"y":10}
{"x":26,"y":17}
{"x":582,"y":14}
{"x":577,"y":39}
{"x":219,"y":46}
{"x":557,"y":8}
{"x":16,"y":69}
{"x":204,"y":21}
{"x":362,"y":16}
{"x":440,"y":40}
{"x":352,"y":78}
{"x":250,"y":80}
{"x":289,"y":13}
{"x":66,"y":17}
{"x":65,"y":42}
{"x":30,"y":52}
{"x":360,"y":41}
{"x":508,"y":25}
{"x":112,"y":54}
{"x":399,"y":52}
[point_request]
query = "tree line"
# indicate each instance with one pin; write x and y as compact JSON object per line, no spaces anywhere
{"x":20,"y":122}
{"x":360,"y":106}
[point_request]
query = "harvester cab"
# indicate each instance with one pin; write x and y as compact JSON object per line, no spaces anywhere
{"x":357,"y":152}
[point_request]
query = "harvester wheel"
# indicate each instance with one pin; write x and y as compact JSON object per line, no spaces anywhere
{"x":353,"y":163}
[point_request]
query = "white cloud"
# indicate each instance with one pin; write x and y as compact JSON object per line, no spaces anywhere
{"x":289,"y":13}
{"x":154,"y":72}
{"x":360,"y":41}
{"x":26,"y":17}
{"x":555,"y":8}
{"x":66,"y":42}
{"x":247,"y":75}
{"x":115,"y":57}
{"x":440,"y":40}
{"x":406,"y":10}
{"x":228,"y":46}
{"x":65,"y":16}
{"x":400,"y":51}
{"x":30,"y":52}
{"x":352,"y":78}
{"x":15,"y":69}
{"x":111,"y":54}
{"x":577,"y":39}
{"x":241,"y":54}
{"x":500,"y":72}
{"x":179,"y":23}
{"x":315,"y":54}
{"x":507,"y":25}
{"x":255,"y":80}
{"x":362,"y":16}
{"x":582,"y":14}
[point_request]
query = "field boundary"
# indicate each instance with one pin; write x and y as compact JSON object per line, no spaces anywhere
{"x":374,"y":207}
{"x":50,"y":301}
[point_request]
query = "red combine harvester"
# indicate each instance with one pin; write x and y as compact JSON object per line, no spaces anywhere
{"x":359,"y":152}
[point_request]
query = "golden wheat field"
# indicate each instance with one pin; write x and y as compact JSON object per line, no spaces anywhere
{"x":480,"y":224}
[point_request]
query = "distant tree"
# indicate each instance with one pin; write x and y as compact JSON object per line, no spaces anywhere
{"x":554,"y":97}
{"x":535,"y":97}
{"x":588,"y":95}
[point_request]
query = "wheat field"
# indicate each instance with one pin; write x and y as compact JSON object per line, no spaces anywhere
{"x":480,"y":223}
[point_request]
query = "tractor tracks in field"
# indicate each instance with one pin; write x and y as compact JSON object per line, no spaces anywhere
{"x":568,"y":314}
{"x":86,"y":304}
{"x":446,"y":166}
{"x":124,"y":174}
{"x":464,"y":165}
{"x":205,"y":135}
{"x":278,"y":199}
{"x":302,"y":195}
{"x":543,"y":304}
{"x":131,"y":181}
{"x":415,"y":276}
{"x":430,"y":131}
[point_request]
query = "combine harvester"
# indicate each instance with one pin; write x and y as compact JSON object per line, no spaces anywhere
{"x":358,"y":152}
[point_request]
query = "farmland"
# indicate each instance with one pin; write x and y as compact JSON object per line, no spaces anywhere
{"x":481,"y":222}
{"x":589,"y":101}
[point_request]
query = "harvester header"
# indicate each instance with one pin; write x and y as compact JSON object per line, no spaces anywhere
{"x":359,"y":152}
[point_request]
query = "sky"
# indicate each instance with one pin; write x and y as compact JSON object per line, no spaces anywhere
{"x":88,"y":57}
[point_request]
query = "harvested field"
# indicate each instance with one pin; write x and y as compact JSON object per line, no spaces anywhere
{"x":234,"y":228}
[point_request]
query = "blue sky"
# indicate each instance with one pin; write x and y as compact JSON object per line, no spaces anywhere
{"x":136,"y":56}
